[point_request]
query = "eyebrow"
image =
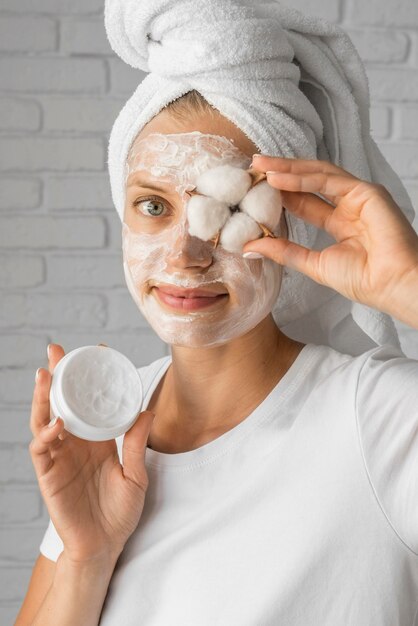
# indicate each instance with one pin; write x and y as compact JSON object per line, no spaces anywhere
{"x":138,"y":182}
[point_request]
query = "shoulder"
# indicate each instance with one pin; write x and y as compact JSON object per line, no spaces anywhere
{"x":387,"y":373}
{"x":387,"y":422}
{"x":382,"y":369}
{"x":326,"y":364}
{"x":378,"y":361}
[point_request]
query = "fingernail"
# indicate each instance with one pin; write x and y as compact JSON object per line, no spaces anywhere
{"x":255,"y":156}
{"x":53,"y":422}
{"x":252,"y":255}
{"x":48,"y":349}
{"x":37,"y":374}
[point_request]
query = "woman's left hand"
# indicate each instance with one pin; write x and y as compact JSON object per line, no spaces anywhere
{"x":375,"y":258}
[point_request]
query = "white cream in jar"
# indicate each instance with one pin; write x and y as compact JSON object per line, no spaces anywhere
{"x":97,"y":391}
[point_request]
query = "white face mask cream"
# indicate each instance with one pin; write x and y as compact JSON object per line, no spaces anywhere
{"x":97,"y":391}
{"x":159,"y":252}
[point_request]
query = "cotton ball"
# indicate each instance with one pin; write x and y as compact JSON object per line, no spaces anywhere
{"x":238,"y":230}
{"x":264,"y":204}
{"x":224,"y":183}
{"x":206,"y":216}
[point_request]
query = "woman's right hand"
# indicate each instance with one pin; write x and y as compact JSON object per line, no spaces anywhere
{"x":94,"y":502}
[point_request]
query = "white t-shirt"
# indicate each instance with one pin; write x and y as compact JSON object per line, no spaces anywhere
{"x":305,"y":513}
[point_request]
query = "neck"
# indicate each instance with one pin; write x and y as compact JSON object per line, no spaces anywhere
{"x":209,"y":390}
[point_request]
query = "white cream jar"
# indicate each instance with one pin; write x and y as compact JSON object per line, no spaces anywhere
{"x":97,"y":391}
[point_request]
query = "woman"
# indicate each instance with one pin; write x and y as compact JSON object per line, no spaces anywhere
{"x":209,"y":393}
{"x":278,"y":485}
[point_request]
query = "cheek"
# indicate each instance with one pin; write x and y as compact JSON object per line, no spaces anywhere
{"x":249,"y":281}
{"x":252,"y":284}
{"x":264,"y":282}
{"x":143,"y":254}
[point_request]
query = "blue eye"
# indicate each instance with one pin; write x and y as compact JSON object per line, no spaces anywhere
{"x":152,"y":205}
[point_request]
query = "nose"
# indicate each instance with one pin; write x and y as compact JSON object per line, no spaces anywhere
{"x":187,"y":251}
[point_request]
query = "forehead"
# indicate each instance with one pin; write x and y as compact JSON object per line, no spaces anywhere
{"x":181,"y":156}
{"x":169,"y":147}
{"x":214,"y":124}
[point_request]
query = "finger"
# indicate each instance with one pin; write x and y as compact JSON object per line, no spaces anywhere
{"x":329,"y":185}
{"x":297,"y":166}
{"x":64,"y":433}
{"x":278,"y":183}
{"x":288,"y":253}
{"x":41,"y":446}
{"x":310,"y":208}
{"x":56,"y":352}
{"x":40,"y":410}
{"x":133,"y":450}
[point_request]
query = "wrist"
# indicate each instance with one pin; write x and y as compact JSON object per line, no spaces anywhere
{"x":403,"y":303}
{"x":78,"y":572}
{"x":78,"y":591}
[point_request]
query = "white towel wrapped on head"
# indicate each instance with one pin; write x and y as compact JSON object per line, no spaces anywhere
{"x":295,"y":85}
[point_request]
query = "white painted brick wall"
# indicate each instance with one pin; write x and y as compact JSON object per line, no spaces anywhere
{"x":17,"y":114}
{"x":53,"y":74}
{"x":18,"y":193}
{"x":61,"y":275}
{"x":70,"y":192}
{"x":92,"y":115}
{"x":54,"y":154}
{"x":36,"y":34}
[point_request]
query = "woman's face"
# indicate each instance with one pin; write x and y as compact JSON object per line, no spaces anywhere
{"x":158,"y":250}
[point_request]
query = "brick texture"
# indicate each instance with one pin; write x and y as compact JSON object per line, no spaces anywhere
{"x":18,"y":114}
{"x":61,"y":272}
{"x":84,"y":36}
{"x":22,"y":271}
{"x":36,"y":34}
{"x":54,"y":7}
{"x":92,"y":192}
{"x":390,"y":13}
{"x":20,"y":193}
{"x":53,"y":74}
{"x":47,"y":232}
{"x":51,"y":153}
{"x":92,"y":115}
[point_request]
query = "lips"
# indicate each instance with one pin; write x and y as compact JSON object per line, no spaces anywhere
{"x":177,"y":292}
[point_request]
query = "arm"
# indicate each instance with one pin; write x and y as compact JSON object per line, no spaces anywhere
{"x":387,"y":419}
{"x":40,"y":581}
{"x":77,"y":593}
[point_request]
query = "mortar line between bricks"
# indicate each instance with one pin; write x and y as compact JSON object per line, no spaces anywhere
{"x":108,"y":73}
{"x":51,"y":14}
{"x":345,"y":9}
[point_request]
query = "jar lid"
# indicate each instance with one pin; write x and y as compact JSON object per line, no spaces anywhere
{"x":97,"y":391}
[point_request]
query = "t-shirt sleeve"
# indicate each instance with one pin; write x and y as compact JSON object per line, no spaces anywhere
{"x":387,"y":418}
{"x":51,"y":544}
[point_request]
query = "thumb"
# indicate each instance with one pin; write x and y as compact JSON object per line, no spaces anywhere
{"x":133,"y":449}
{"x":287,"y":253}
